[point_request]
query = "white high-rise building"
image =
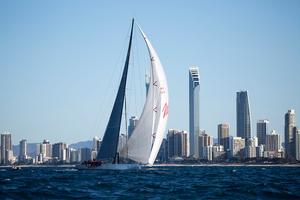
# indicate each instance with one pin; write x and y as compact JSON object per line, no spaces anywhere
{"x":207,"y":153}
{"x":218,"y":152}
{"x":45,"y":149}
{"x":237,"y":145}
{"x":260,"y":151}
{"x":194,"y":110}
{"x":96,"y":144}
{"x":251,"y":147}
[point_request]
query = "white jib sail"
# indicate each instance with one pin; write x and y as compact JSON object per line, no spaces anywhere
{"x":146,"y":139}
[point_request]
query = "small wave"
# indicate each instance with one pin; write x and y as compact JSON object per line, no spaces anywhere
{"x":3,"y":170}
{"x":71,"y":170}
{"x":66,"y":170}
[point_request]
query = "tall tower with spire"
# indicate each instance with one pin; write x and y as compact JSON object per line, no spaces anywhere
{"x":194,"y":111}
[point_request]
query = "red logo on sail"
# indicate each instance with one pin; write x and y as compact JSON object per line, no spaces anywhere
{"x":162,"y":90}
{"x":165,"y":110}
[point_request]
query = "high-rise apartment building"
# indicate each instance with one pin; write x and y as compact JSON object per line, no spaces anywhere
{"x":46,"y":149}
{"x":59,"y":151}
{"x":261,"y":130}
{"x":289,"y":140}
{"x":194,"y":110}
{"x":218,"y":152}
{"x":223,"y":135}
{"x":243,"y":115}
{"x":6,"y":148}
{"x":250,"y":149}
{"x":273,"y":141}
{"x":177,"y":143}
{"x":205,"y":146}
{"x":96,"y":144}
{"x":237,"y":145}
{"x":23,"y":150}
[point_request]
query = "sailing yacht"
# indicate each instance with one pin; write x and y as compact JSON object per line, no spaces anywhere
{"x":144,"y":143}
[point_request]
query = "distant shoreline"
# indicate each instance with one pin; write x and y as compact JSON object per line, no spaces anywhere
{"x":170,"y":165}
{"x":227,"y":165}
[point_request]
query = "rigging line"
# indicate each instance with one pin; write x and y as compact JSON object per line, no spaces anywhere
{"x":133,"y":103}
{"x":126,"y":130}
{"x":134,"y":77}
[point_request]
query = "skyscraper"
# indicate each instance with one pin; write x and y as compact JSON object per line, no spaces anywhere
{"x":262,"y":130}
{"x":290,"y":123}
{"x":243,"y":116}
{"x":23,"y":150}
{"x":194,"y":110}
{"x":223,"y":135}
{"x":6,"y":148}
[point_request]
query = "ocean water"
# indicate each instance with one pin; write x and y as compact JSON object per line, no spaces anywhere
{"x":168,"y":182}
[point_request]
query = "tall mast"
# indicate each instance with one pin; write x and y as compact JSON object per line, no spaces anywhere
{"x":109,"y":146}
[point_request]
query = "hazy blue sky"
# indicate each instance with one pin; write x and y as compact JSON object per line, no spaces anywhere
{"x":60,"y":62}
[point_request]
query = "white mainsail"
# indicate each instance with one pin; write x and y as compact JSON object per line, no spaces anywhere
{"x":146,"y":139}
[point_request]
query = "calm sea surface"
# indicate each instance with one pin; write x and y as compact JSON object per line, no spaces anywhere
{"x":201,"y":182}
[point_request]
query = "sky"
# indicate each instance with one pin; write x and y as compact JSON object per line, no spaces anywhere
{"x":60,"y":62}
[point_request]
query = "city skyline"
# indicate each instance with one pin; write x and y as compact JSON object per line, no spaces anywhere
{"x":52,"y":73}
{"x":264,"y":147}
